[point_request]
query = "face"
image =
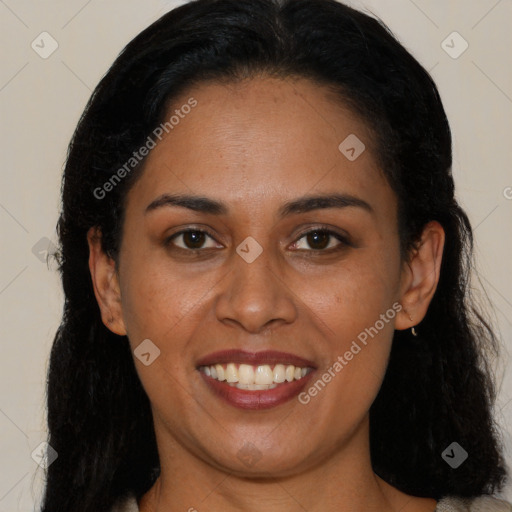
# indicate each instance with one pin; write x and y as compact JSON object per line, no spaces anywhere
{"x":266,"y":278}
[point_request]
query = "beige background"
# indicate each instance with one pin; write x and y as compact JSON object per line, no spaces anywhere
{"x":42,"y":99}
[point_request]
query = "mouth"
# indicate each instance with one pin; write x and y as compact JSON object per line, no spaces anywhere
{"x":259,"y":380}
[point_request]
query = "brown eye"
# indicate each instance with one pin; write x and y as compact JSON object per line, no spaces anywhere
{"x":321,"y":239}
{"x":192,"y":239}
{"x":318,"y":239}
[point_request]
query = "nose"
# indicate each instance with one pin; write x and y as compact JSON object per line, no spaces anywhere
{"x":255,"y":296}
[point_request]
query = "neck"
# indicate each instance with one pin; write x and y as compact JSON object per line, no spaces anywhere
{"x":343,"y":482}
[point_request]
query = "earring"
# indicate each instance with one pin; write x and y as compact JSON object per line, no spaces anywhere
{"x":413,"y":330}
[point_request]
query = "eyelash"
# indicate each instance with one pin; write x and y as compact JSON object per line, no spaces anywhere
{"x":344,"y":242}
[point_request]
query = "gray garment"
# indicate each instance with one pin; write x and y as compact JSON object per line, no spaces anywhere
{"x":449,"y":504}
{"x":480,"y":504}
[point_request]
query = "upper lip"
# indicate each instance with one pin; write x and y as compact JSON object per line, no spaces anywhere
{"x":255,"y":358}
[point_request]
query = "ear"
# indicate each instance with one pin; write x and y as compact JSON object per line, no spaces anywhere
{"x":420,"y":275}
{"x":106,"y":283}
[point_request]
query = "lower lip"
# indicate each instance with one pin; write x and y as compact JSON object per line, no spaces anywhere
{"x":257,"y":399}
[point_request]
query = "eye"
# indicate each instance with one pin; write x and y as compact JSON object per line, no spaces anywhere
{"x":191,"y":239}
{"x":320,"y":239}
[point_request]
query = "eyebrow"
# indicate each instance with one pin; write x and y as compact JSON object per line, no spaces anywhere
{"x":301,"y":205}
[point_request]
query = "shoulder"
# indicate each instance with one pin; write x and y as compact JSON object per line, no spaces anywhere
{"x":479,"y":504}
{"x":126,"y":504}
{"x":448,"y":504}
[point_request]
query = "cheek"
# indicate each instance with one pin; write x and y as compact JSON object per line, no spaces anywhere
{"x":355,"y":312}
{"x":163,"y":303}
{"x":354,"y":295}
{"x":142,"y":303}
{"x":160,"y":306}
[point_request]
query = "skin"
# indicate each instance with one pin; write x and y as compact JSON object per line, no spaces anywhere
{"x":255,"y":145}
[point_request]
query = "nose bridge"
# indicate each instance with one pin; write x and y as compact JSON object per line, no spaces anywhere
{"x":254,"y":295}
{"x":252,"y":270}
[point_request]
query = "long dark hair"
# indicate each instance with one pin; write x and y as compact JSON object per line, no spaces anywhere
{"x":438,"y":387}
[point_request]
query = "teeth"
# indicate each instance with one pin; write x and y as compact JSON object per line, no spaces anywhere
{"x":220,"y":372}
{"x":263,"y":375}
{"x":246,"y":376}
{"x":253,"y":387}
{"x":279,"y":373}
{"x":231,"y":373}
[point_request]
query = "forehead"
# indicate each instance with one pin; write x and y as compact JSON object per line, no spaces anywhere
{"x":262,"y":140}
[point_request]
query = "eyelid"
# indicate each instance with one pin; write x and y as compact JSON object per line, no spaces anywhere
{"x":168,"y":240}
{"x":343,"y":239}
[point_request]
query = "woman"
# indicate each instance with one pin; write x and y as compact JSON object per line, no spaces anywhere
{"x":265,"y":272}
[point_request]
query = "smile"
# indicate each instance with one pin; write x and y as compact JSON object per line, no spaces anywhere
{"x":255,"y":378}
